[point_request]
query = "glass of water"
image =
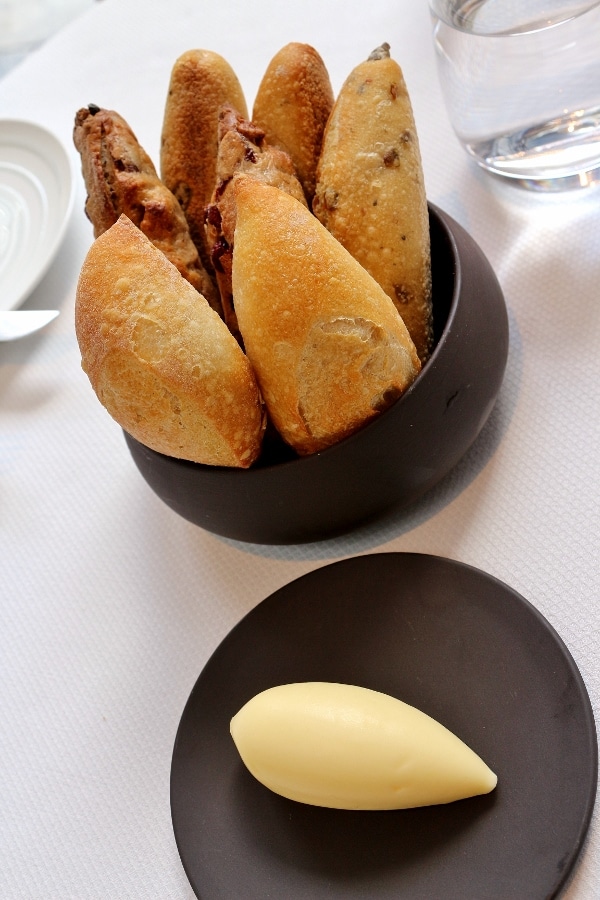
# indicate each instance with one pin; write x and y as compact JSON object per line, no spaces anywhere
{"x":521,"y":80}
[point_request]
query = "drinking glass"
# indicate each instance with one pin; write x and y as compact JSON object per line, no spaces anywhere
{"x":521,"y":80}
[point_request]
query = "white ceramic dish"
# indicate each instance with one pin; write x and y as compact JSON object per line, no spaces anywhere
{"x":36,"y":199}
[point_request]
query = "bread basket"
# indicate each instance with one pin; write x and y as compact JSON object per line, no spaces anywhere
{"x":392,"y":461}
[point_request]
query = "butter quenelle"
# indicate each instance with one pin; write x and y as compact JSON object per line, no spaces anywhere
{"x":349,"y":747}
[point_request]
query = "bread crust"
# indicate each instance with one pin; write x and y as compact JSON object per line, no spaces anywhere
{"x":120,"y":178}
{"x":327,"y":344}
{"x":370,"y":191}
{"x":292,"y":105}
{"x":242,"y":150}
{"x":201,"y":83}
{"x":160,"y":360}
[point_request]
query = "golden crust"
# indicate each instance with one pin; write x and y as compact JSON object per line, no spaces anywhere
{"x":370,"y":190}
{"x":120,"y":178}
{"x":201,"y":83}
{"x":292,"y":105}
{"x":160,"y":359}
{"x":242,"y":150}
{"x":328,"y":347}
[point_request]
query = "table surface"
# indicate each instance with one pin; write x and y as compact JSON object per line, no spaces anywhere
{"x":110,"y":604}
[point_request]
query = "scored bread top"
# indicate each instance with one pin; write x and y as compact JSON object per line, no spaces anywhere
{"x":329,"y":348}
{"x":160,"y":359}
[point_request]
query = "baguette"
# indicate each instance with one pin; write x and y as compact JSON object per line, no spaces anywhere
{"x":370,"y":189}
{"x":328,"y":347}
{"x":242,"y":149}
{"x":201,"y":83}
{"x":292,"y":105}
{"x":120,"y":178}
{"x":160,"y":359}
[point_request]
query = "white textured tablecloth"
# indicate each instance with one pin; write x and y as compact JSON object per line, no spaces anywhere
{"x":110,"y":604}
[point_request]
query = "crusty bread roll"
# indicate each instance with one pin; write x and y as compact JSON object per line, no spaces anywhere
{"x":201,"y":83}
{"x":370,"y":189}
{"x":160,"y":359}
{"x":120,"y":178}
{"x":327,"y":344}
{"x":292,"y":105}
{"x":242,"y":149}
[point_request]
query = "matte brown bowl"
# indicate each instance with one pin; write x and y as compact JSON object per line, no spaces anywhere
{"x":285,"y":499}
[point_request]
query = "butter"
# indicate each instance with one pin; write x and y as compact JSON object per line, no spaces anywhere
{"x":349,"y":747}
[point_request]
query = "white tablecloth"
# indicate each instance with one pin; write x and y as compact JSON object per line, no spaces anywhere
{"x":110,"y":604}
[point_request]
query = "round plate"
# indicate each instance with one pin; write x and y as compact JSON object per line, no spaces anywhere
{"x":446,"y":638}
{"x":36,"y":199}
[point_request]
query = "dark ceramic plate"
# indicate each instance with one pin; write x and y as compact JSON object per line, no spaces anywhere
{"x":446,"y":638}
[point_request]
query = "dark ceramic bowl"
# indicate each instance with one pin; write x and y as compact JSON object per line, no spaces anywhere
{"x":285,"y":499}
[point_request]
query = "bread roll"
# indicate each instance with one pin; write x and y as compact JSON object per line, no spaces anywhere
{"x":370,"y":189}
{"x":242,"y":149}
{"x":327,"y":344}
{"x":292,"y":105}
{"x":201,"y":83}
{"x":160,"y":360}
{"x":120,"y":178}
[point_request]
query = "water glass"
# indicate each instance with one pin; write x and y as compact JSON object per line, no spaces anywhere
{"x":521,"y":80}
